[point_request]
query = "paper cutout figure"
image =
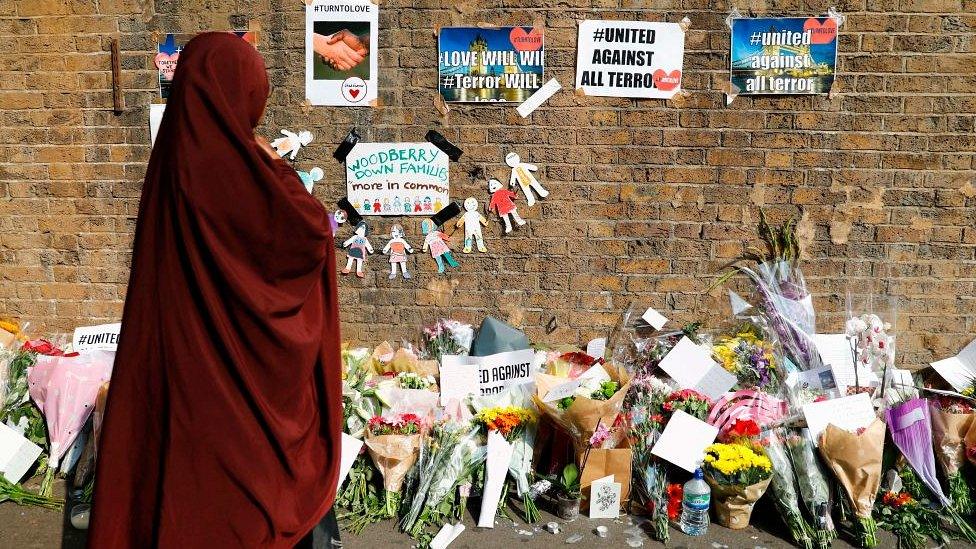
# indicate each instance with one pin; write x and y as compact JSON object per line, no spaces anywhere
{"x":291,"y":143}
{"x":398,"y":248}
{"x":358,"y":248}
{"x":435,"y":241}
{"x":522,"y":174}
{"x":339,"y":216}
{"x":472,"y":221}
{"x":310,"y":177}
{"x":502,"y":204}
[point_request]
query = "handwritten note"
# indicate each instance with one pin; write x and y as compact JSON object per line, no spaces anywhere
{"x":835,"y":350}
{"x":562,"y":390}
{"x":691,"y":365}
{"x":684,"y":440}
{"x":850,"y":413}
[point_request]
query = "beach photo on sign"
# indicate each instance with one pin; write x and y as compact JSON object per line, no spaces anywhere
{"x":341,"y":49}
{"x":498,"y":64}
{"x":788,"y":55}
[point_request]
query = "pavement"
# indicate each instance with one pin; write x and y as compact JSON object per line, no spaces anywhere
{"x":30,"y":528}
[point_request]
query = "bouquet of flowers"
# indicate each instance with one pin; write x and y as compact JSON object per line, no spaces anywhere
{"x":739,"y":473}
{"x":448,"y":459}
{"x":855,"y":459}
{"x":359,"y":400}
{"x":783,"y":296}
{"x":512,"y":424}
{"x":911,"y":431}
{"x":447,"y":337}
{"x":688,"y":401}
{"x":909,"y":520}
{"x":951,"y":420}
{"x":360,"y":497}
{"x":749,"y":357}
{"x":598,"y":400}
{"x":783,"y":487}
{"x":394,"y":443}
{"x":813,"y":486}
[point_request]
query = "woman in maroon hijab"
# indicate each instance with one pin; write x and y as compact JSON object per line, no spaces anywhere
{"x":224,"y":413}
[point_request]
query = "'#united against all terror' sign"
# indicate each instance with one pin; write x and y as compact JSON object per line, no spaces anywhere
{"x":630,"y":59}
{"x":783,"y":55}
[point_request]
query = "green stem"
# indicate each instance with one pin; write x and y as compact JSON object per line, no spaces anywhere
{"x":867,"y":532}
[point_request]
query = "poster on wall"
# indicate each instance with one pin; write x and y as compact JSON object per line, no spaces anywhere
{"x":168,"y":54}
{"x":397,"y":178}
{"x":341,"y":43}
{"x":783,"y":55}
{"x":630,"y":59}
{"x":500,"y":64}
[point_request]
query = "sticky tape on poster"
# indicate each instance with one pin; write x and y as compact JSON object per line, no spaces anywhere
{"x":685,"y":24}
{"x":483,"y":25}
{"x":733,"y":14}
{"x":254,"y":28}
{"x":342,"y":151}
{"x":539,"y":97}
{"x":731,"y":92}
{"x":579,"y":92}
{"x":351,"y":214}
{"x":441,"y":142}
{"x":837,"y":16}
{"x":441,"y":105}
{"x":446,"y":214}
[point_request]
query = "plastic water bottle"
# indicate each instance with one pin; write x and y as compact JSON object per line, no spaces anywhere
{"x":694,"y":505}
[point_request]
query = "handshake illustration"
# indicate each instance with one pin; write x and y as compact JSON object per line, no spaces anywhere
{"x":342,"y":50}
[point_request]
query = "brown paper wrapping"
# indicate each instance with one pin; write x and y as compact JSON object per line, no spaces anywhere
{"x":856,"y":462}
{"x":583,"y":415}
{"x":393,"y":455}
{"x":605,"y":462}
{"x":948,"y":434}
{"x":734,"y":503}
{"x":7,"y":340}
{"x":98,"y":414}
{"x":971,"y":443}
{"x":402,"y":361}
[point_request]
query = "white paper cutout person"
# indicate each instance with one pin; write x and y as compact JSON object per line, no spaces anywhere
{"x":502,"y":204}
{"x":339,"y":216}
{"x":398,"y":248}
{"x":472,"y":221}
{"x":291,"y":143}
{"x":522,"y":174}
{"x":435,"y":241}
{"x":358,"y":247}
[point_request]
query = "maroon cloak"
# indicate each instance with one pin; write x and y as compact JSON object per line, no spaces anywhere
{"x":224,"y":411}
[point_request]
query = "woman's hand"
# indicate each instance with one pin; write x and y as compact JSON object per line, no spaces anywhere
{"x":359,"y":44}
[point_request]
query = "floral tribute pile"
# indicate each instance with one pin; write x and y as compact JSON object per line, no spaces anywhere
{"x":903,"y":459}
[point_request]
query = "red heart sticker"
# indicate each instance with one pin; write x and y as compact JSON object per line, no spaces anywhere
{"x":667,"y":81}
{"x":166,"y":63}
{"x":354,"y":93}
{"x":526,"y":41}
{"x":821,"y":33}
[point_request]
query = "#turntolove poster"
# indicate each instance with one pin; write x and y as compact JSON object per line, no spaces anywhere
{"x":503,"y":64}
{"x":341,"y":46}
{"x":783,"y":55}
{"x":397,"y":178}
{"x":630,"y":58}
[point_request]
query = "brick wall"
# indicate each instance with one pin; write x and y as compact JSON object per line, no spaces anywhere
{"x":649,"y":197}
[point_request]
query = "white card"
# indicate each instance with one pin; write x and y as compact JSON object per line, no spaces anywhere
{"x":604,"y":498}
{"x":156,"y":111}
{"x":654,"y":318}
{"x":104,"y":337}
{"x":845,"y":377}
{"x":350,"y":449}
{"x":457,"y":382}
{"x":594,"y":375}
{"x":597,"y":348}
{"x":498,"y":457}
{"x":540,"y":96}
{"x":835,"y":350}
{"x":447,"y":534}
{"x":562,"y":390}
{"x":691,"y":365}
{"x":684,"y":440}
{"x":850,"y":413}
{"x":959,"y":370}
{"x":17,"y":454}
